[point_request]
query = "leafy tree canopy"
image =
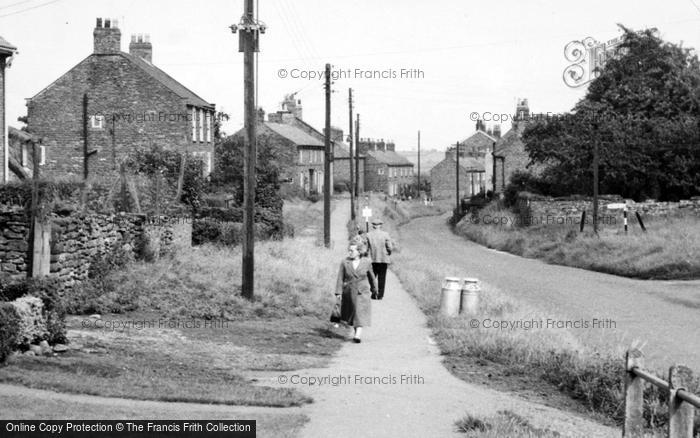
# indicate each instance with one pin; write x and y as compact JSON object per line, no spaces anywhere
{"x":643,"y":111}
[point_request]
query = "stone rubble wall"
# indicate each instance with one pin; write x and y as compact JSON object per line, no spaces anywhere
{"x":79,"y":238}
{"x":552,"y":210}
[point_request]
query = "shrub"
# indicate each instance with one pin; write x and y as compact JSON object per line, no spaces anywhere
{"x":341,"y":186}
{"x":313,"y":197}
{"x":45,"y":289}
{"x":9,"y":327}
{"x":31,"y":326}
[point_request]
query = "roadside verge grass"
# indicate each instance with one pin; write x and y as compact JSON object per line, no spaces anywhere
{"x":669,"y":250}
{"x":535,"y":359}
{"x":178,"y":329}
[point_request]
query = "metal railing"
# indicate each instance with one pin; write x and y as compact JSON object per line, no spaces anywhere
{"x":681,"y":402}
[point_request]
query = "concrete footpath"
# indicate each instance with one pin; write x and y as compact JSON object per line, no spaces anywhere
{"x":394,"y":384}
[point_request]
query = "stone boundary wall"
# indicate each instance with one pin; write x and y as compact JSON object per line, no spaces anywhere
{"x":553,"y":210}
{"x":78,"y":238}
{"x":14,"y":242}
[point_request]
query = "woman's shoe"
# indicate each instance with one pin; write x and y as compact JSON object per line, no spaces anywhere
{"x":357,"y":340}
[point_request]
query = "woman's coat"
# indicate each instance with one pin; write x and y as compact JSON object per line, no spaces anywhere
{"x":356,"y":286}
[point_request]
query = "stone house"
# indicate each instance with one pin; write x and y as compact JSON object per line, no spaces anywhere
{"x":292,"y":114}
{"x":472,"y":176}
{"x":385,"y":170}
{"x":300,"y":155}
{"x":113,"y":102}
{"x":509,"y":154}
{"x":7,"y":51}
{"x":474,"y":161}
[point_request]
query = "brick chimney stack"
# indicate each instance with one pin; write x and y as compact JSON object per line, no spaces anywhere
{"x":141,"y":46}
{"x":390,"y":146}
{"x":107,"y":36}
{"x":497,"y":130}
{"x":381,"y":146}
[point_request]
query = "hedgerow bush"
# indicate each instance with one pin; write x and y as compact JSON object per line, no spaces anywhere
{"x":53,"y":309}
{"x":9,"y":328}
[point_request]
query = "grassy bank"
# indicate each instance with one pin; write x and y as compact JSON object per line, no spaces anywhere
{"x":549,"y":366}
{"x":178,"y":329}
{"x":669,"y":250}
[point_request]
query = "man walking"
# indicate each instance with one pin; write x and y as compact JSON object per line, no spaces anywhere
{"x":380,"y":248}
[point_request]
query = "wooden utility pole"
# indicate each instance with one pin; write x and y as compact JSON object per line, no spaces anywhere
{"x":352,"y":173}
{"x":418,"y":194}
{"x":248,"y":38}
{"x":595,"y":184}
{"x":357,"y":157}
{"x":327,"y":166}
{"x":459,"y":205}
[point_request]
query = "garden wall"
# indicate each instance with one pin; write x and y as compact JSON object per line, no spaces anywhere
{"x":535,"y":208}
{"x":78,"y":238}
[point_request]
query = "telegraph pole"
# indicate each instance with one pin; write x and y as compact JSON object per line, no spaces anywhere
{"x":595,"y":181}
{"x":357,"y":156}
{"x":352,"y":174}
{"x":459,"y":205}
{"x":327,"y":166}
{"x":248,"y":39}
{"x":418,"y":194}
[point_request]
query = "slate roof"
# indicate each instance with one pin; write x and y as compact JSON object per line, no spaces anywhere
{"x":168,"y":81}
{"x":510,"y":141}
{"x":390,"y":158}
{"x":479,"y":141}
{"x":157,"y":74}
{"x":6,"y":47}
{"x":294,"y":134}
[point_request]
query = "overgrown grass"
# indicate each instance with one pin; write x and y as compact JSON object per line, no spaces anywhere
{"x":205,"y":282}
{"x":670,"y":249}
{"x":555,"y":357}
{"x":180,"y":330}
{"x":505,"y":425}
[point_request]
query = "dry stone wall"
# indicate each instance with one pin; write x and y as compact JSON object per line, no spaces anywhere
{"x":79,"y":238}
{"x":534,"y":208}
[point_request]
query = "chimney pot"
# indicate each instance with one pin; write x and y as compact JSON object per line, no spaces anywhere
{"x":107,"y":38}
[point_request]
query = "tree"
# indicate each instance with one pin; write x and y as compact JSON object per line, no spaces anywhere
{"x":644,"y":113}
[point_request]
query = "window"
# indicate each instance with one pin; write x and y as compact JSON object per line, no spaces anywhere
{"x":42,"y":155}
{"x":200,"y":123}
{"x":207,"y":164}
{"x":25,"y":155}
{"x":194,"y":124}
{"x":97,"y":121}
{"x":208,"y":125}
{"x":301,"y":156}
{"x":380,"y":171}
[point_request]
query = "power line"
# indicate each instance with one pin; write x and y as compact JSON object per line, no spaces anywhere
{"x":29,"y":9}
{"x":14,"y":4}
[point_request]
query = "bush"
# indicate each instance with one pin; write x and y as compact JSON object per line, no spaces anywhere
{"x":32,"y":325}
{"x":230,"y":233}
{"x":45,"y":289}
{"x":313,"y":197}
{"x":9,"y":328}
{"x":341,"y":186}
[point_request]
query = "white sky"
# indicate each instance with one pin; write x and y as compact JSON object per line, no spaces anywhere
{"x":476,"y":56}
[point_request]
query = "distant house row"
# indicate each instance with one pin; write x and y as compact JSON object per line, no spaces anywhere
{"x":487,"y":160}
{"x":113,"y":102}
{"x":381,"y":169}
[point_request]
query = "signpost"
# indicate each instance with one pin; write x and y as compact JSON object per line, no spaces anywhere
{"x":620,"y":206}
{"x":367,"y":213}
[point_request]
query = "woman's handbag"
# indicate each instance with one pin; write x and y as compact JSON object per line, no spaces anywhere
{"x":335,"y":313}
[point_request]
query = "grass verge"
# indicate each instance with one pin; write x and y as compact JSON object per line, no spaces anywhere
{"x":552,"y":365}
{"x":181,"y":331}
{"x":669,"y":250}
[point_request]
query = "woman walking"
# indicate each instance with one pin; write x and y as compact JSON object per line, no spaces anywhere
{"x":356,"y":283}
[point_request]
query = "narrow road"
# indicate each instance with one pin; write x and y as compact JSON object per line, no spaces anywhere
{"x":393,"y":384}
{"x":664,"y":314}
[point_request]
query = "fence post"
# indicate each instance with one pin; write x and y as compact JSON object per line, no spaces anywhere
{"x":634,"y":396}
{"x":680,"y":414}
